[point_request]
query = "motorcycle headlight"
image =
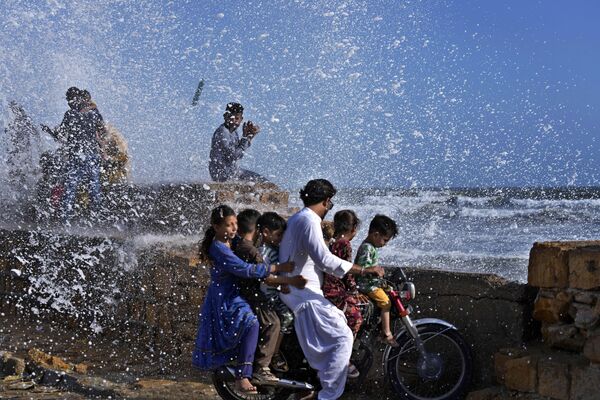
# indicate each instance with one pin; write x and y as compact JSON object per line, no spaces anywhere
{"x":408,"y":290}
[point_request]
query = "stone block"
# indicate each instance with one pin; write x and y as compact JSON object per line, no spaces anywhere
{"x":585,"y":382}
{"x":521,"y":374}
{"x":591,"y":349}
{"x":548,"y":266}
{"x":585,"y":297}
{"x":500,"y":360}
{"x":584,"y":316}
{"x":563,"y":336}
{"x":553,"y":379}
{"x":584,"y":268}
{"x":552,"y":306}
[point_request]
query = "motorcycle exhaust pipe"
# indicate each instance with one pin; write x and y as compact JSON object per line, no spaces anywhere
{"x":227,"y":374}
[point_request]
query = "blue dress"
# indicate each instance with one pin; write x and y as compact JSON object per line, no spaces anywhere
{"x":225,"y":316}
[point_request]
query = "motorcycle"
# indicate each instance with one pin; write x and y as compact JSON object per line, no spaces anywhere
{"x":432,"y":360}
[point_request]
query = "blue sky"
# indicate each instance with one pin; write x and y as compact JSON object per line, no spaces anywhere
{"x":366,"y":93}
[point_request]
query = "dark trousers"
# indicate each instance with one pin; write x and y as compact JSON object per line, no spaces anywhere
{"x":267,"y":335}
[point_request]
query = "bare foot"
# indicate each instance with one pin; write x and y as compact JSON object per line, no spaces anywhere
{"x":243,"y":385}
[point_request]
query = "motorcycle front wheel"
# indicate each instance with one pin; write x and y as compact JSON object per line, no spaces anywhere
{"x":443,"y":372}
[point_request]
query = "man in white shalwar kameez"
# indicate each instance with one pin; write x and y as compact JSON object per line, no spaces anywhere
{"x":321,"y":327}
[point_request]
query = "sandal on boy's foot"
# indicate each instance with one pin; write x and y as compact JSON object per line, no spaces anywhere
{"x":388,"y":340}
{"x":264,"y":376}
{"x":278,"y":363}
{"x":244,"y":386}
{"x":353,"y":372}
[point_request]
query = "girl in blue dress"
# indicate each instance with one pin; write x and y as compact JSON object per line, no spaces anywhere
{"x":228,"y":330}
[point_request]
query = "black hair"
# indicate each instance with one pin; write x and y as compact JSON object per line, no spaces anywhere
{"x":345,"y":221}
{"x":217,"y":216}
{"x":232,"y":109}
{"x":73,"y":93}
{"x":271,"y":221}
{"x":383,"y":225}
{"x":316,"y":191}
{"x":247,"y":220}
{"x":86,"y":95}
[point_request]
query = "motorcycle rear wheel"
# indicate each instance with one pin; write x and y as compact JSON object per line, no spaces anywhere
{"x":444,"y":374}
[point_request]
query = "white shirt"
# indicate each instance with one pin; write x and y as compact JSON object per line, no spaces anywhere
{"x":303,"y":243}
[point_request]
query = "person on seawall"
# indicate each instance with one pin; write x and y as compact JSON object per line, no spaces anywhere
{"x":227,"y":148}
{"x":78,"y":133}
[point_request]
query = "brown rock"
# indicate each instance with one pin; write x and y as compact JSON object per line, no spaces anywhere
{"x":584,"y":382}
{"x":553,"y":379}
{"x":548,"y":265}
{"x":59,"y":363}
{"x":521,"y":374}
{"x":584,"y":268}
{"x":591,"y":350}
{"x":275,"y":198}
{"x":500,"y":359}
{"x":48,"y":360}
{"x":552,"y":307}
{"x":81,"y":368}
{"x":563,"y":336}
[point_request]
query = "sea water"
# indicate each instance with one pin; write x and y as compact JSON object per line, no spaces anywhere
{"x":474,"y":230}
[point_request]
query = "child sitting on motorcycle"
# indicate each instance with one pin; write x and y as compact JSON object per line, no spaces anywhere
{"x":381,"y":230}
{"x":228,"y":329}
{"x":342,"y":292}
{"x":271,"y":227}
{"x":268,"y":320}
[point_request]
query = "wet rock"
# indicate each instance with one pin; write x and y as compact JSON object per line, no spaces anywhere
{"x":548,"y":265}
{"x":21,"y":385}
{"x":553,"y":378}
{"x":584,"y":315}
{"x":591,"y":350}
{"x":521,"y":374}
{"x":563,"y":336}
{"x":11,"y":365}
{"x":551,"y":306}
{"x":584,"y":268}
{"x":584,"y":384}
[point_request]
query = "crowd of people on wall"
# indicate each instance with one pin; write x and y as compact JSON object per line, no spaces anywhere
{"x":93,"y":155}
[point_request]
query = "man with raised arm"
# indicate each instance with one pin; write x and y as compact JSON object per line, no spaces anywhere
{"x":321,"y":327}
{"x":227,"y":148}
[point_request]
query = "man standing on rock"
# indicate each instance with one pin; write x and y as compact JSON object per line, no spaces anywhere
{"x":227,"y":148}
{"x":321,"y":327}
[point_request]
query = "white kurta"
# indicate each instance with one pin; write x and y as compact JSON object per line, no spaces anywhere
{"x":321,"y":327}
